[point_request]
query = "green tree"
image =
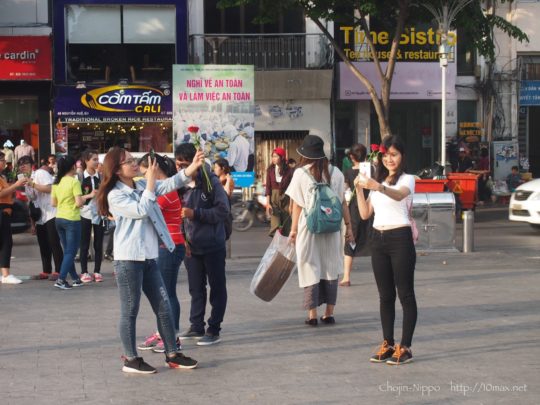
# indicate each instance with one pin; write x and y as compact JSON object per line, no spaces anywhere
{"x":476,"y":20}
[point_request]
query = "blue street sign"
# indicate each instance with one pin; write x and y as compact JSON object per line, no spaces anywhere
{"x":529,"y":93}
{"x":243,"y":179}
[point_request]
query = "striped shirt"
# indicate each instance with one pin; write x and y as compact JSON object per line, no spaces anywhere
{"x":171,"y":208}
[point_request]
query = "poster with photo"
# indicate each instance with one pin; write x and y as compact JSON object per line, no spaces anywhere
{"x":60,"y":139}
{"x":217,"y":100}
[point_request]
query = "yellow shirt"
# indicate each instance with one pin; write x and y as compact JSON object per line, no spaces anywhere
{"x":65,"y":193}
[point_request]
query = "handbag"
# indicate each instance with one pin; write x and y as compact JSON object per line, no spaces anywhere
{"x":275,"y":268}
{"x":414,"y":228}
{"x":35,"y":212}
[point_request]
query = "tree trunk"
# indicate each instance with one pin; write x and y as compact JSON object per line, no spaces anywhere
{"x":380,"y":109}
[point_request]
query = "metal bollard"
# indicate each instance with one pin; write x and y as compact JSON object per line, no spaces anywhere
{"x":468,"y":231}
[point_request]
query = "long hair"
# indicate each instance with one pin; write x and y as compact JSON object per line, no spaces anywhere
{"x":111,"y":166}
{"x":64,"y":165}
{"x":283,"y":166}
{"x":382,"y":174}
{"x":318,"y":170}
{"x":86,"y":156}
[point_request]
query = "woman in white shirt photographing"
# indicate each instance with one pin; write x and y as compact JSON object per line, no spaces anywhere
{"x":393,"y":256}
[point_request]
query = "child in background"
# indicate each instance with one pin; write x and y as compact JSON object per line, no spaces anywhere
{"x":514,"y":179}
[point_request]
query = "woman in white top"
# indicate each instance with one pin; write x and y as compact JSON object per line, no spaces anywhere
{"x":38,"y":190}
{"x":319,"y":256}
{"x":393,"y":255}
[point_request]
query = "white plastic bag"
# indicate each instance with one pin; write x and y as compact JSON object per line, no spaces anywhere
{"x":275,"y":268}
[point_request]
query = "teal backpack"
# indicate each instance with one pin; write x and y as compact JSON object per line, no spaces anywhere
{"x":325,"y":213}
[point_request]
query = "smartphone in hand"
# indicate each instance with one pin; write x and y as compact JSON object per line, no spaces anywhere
{"x":365,"y":169}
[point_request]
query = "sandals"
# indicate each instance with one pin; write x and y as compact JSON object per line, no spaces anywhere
{"x":311,"y":322}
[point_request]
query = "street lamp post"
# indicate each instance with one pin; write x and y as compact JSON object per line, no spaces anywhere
{"x":445,"y":15}
{"x":443,"y":61}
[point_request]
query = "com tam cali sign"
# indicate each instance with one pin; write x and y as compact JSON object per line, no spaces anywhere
{"x":130,"y":103}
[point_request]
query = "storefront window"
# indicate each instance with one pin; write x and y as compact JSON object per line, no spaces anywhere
{"x":467,"y":111}
{"x":345,"y":119}
{"x":17,"y":115}
{"x":109,"y":43}
{"x":135,"y":137}
{"x":240,"y":20}
{"x":466,"y":55}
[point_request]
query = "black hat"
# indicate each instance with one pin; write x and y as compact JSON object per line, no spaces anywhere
{"x":312,"y":147}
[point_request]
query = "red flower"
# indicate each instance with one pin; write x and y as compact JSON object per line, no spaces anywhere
{"x":193,"y":129}
{"x":382,"y":149}
{"x":374,"y":147}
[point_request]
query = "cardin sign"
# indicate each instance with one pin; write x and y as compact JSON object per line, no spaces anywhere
{"x":25,"y":58}
{"x":130,"y":103}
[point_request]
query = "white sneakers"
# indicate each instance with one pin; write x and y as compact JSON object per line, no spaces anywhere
{"x":11,"y":279}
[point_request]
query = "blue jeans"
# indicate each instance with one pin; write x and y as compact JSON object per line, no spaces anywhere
{"x":168,"y":264}
{"x":70,"y":237}
{"x":132,"y":277}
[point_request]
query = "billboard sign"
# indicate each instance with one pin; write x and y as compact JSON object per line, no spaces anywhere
{"x":411,"y":81}
{"x":118,"y":103}
{"x":217,"y":100}
{"x":25,"y":58}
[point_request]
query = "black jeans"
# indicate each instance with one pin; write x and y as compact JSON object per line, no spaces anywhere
{"x":393,"y":258}
{"x":6,"y":240}
{"x":209,"y":266}
{"x":86,"y":232}
{"x":49,"y":246}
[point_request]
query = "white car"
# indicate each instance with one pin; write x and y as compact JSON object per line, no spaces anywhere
{"x":525,"y":204}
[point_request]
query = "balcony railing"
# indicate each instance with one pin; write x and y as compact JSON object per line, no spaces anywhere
{"x":265,"y":51}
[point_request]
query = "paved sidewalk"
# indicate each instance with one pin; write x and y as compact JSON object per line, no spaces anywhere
{"x":476,"y":341}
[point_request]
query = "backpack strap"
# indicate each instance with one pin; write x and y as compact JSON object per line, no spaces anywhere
{"x":313,"y":178}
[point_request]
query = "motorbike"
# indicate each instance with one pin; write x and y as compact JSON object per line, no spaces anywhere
{"x":245,"y":212}
{"x":431,"y":172}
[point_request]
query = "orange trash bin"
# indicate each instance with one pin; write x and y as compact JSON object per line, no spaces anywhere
{"x":429,"y":186}
{"x":465,"y":185}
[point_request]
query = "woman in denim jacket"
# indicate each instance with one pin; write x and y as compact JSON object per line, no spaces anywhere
{"x":139,"y":228}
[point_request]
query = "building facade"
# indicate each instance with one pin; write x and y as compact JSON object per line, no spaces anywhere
{"x":415,"y":107}
{"x":517,"y":72}
{"x":293,"y":71}
{"x":113,"y":72}
{"x":25,"y":73}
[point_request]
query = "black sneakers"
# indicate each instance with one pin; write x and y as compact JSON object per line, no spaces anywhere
{"x":402,"y":355}
{"x":77,"y":283}
{"x":180,"y":361}
{"x":62,"y":284}
{"x":383,"y":354}
{"x":191,"y":334}
{"x":208,"y":339}
{"x":138,"y":366}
